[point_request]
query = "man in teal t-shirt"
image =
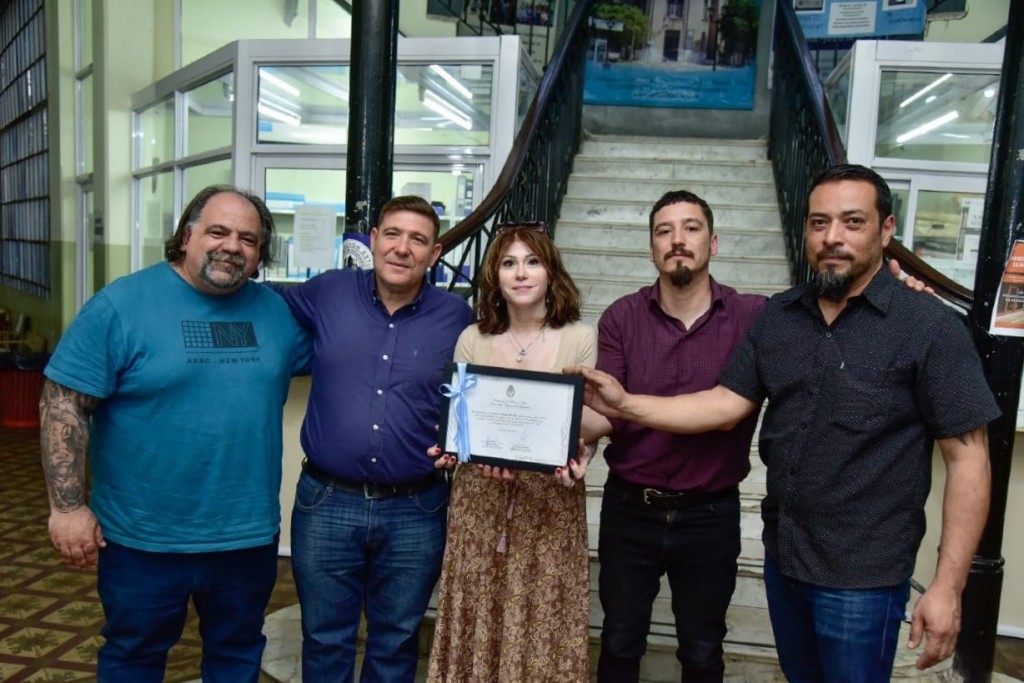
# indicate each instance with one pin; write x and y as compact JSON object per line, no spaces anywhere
{"x":173,"y":379}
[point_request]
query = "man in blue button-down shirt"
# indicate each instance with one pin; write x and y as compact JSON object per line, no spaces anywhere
{"x":368,"y":526}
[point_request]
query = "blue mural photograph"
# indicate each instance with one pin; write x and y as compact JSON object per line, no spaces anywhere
{"x":673,"y":53}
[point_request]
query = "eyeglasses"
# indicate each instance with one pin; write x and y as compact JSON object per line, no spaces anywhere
{"x":535,"y":226}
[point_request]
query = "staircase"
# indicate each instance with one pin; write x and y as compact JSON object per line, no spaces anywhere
{"x":603,"y":231}
{"x":604,"y":239}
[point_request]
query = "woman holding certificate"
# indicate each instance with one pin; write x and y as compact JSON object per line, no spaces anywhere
{"x":514,"y":589}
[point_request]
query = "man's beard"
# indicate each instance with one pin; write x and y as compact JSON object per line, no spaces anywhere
{"x":229,"y":279}
{"x":681,"y":276}
{"x":830,"y":285}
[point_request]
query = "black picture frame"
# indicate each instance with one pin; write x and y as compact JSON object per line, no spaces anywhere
{"x":524,"y":379}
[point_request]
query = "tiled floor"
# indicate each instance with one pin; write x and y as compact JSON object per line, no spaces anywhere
{"x":50,"y":616}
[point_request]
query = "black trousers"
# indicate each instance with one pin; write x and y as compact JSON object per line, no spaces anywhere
{"x":697,"y":547}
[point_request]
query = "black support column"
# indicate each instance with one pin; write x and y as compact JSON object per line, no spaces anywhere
{"x":371,"y":134}
{"x":1001,"y":356}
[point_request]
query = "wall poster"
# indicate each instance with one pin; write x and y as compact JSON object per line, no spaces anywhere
{"x":673,"y":53}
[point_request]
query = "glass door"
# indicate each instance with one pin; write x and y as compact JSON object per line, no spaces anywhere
{"x":292,"y":181}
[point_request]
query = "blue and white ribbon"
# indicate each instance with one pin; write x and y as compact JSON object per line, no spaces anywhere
{"x":458,"y":394}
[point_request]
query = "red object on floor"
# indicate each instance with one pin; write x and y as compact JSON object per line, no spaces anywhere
{"x":19,"y":398}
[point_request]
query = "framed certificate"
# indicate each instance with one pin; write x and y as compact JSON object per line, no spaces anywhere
{"x":513,"y":418}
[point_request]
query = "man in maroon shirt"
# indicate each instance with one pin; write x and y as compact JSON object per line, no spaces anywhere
{"x":671,"y":504}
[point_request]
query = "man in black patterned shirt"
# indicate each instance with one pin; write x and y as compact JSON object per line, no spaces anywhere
{"x":862,"y":377}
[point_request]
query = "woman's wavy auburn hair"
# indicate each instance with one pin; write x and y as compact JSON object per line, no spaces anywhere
{"x":563,"y":297}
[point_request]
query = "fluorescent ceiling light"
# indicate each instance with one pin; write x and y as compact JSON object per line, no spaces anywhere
{"x":990,"y":92}
{"x":452,"y":81}
{"x":927,"y":127}
{"x":284,"y":117}
{"x":287,"y":111}
{"x":934,"y":84}
{"x":958,"y":136}
{"x":284,"y":103}
{"x":265,"y":75}
{"x":436,"y":104}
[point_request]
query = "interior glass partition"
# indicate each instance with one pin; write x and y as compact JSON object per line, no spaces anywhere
{"x":272,"y":116}
{"x":924,"y":116}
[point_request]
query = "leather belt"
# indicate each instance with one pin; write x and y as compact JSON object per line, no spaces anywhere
{"x":670,"y":500}
{"x":368,"y":489}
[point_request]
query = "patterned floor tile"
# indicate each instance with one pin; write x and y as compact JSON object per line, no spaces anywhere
{"x":64,"y":581}
{"x":33,"y":642}
{"x":60,"y":676}
{"x":77,"y":613}
{"x":8,"y":671}
{"x":20,"y":606}
{"x":84,"y":652}
{"x":13,"y":575}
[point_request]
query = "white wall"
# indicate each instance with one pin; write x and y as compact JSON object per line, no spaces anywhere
{"x":984,"y":17}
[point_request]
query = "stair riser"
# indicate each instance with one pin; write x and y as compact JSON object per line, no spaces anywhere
{"x":674,"y":152}
{"x":732,"y":273}
{"x":638,"y":213}
{"x":647,"y":191}
{"x":669,"y":170}
{"x":729,"y":244}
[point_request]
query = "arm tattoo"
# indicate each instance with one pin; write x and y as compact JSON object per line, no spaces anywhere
{"x":971,"y":437}
{"x":64,"y":440}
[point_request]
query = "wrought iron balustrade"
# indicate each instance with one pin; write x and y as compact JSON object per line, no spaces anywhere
{"x":534,"y":178}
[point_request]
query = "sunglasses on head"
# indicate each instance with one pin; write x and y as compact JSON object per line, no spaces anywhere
{"x":535,"y":226}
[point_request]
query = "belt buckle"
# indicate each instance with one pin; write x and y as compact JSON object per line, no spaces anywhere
{"x":647,"y":494}
{"x":371,"y":491}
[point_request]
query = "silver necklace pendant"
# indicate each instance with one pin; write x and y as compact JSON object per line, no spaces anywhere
{"x":522,"y":354}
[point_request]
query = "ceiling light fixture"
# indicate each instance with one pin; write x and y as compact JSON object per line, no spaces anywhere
{"x":278,"y":101}
{"x":277,"y":114}
{"x":452,"y":81}
{"x":437,"y":105}
{"x":265,"y":75}
{"x":928,"y":127}
{"x":934,"y":84}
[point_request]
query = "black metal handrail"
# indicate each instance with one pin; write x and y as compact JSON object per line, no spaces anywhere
{"x":804,"y":140}
{"x":533,"y":181}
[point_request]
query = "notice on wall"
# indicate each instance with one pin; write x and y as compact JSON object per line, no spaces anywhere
{"x":823,"y":19}
{"x":851,"y":19}
{"x":313,"y":235}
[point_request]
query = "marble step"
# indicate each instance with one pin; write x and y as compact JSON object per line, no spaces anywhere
{"x":744,"y":662}
{"x":674,"y":149}
{"x":731,"y":241}
{"x":712,"y":191}
{"x":681,"y":172}
{"x":590,"y":261}
{"x":618,"y":208}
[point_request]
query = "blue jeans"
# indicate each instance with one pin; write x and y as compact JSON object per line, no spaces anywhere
{"x":145,"y":599}
{"x":697,"y":547}
{"x":351,"y":554}
{"x":833,"y":635}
